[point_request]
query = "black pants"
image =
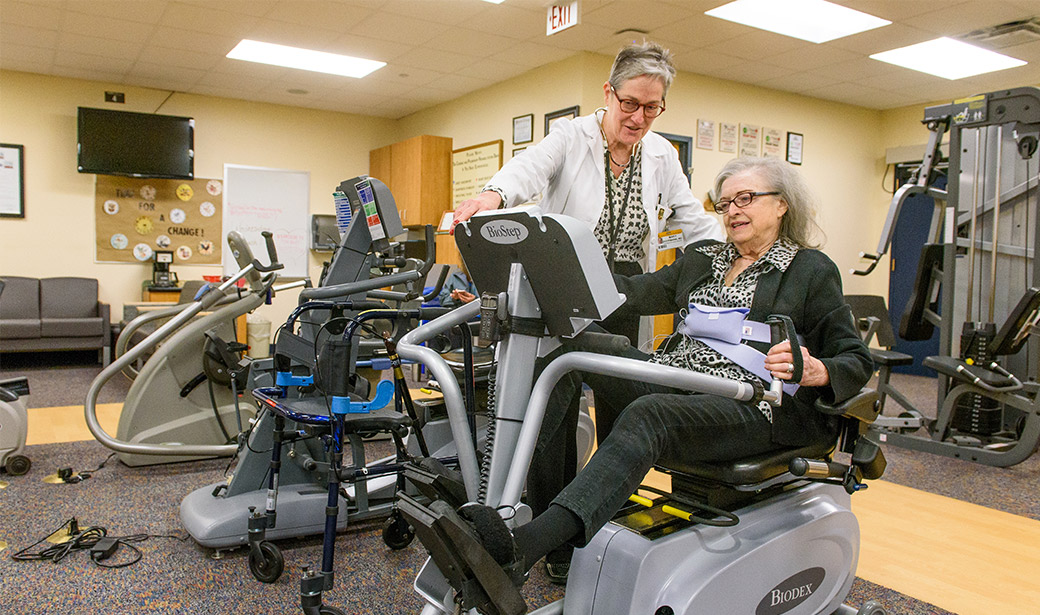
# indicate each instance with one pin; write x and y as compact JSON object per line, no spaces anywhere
{"x":656,"y":423}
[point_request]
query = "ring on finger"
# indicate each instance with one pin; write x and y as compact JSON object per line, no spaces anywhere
{"x":790,"y":368}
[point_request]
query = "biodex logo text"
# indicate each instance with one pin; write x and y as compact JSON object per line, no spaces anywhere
{"x":791,"y":592}
{"x":504,"y":232}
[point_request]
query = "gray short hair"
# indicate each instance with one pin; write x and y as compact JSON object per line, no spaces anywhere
{"x":639,"y":59}
{"x":799,"y":223}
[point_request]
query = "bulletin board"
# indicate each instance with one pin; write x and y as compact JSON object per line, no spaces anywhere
{"x":472,"y":167}
{"x":136,"y":216}
{"x":257,"y":199}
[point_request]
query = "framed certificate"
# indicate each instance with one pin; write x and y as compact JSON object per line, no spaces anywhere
{"x":552,"y":116}
{"x":523,"y":129}
{"x":12,"y":181}
{"x":794,"y":148}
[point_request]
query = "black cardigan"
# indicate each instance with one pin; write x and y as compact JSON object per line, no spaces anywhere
{"x":810,"y":293}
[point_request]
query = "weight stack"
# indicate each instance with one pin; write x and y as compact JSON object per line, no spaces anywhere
{"x":975,"y":413}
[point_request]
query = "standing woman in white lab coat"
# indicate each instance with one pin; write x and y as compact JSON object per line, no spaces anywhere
{"x":608,"y":170}
{"x":611,"y":156}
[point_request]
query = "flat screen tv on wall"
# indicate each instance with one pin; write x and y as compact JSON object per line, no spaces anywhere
{"x":135,"y":144}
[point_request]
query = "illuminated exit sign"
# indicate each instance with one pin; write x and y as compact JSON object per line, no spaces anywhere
{"x":561,"y":17}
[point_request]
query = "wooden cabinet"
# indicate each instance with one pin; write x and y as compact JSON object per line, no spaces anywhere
{"x":418,"y":173}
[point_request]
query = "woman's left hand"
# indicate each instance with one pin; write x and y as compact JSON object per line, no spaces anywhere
{"x":779,"y":362}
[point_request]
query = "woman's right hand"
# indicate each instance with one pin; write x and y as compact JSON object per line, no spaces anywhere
{"x":484,"y":201}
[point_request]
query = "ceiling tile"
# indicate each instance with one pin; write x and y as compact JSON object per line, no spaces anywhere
{"x":860,"y":69}
{"x":754,"y":44}
{"x":157,"y":72}
{"x":799,"y":82}
{"x":99,"y":46}
{"x":408,"y":76}
{"x":143,"y":12}
{"x":370,"y":48}
{"x":398,"y":28}
{"x":255,"y":8}
{"x":582,"y":36}
{"x":510,"y":22}
{"x":700,"y":60}
{"x":494,"y":70}
{"x":448,"y":12}
{"x":531,"y":54}
{"x":202,"y":18}
{"x":882,"y":39}
{"x":849,"y":93}
{"x":180,"y":58}
{"x":27,"y":35}
{"x":895,"y":9}
{"x":294,"y":35}
{"x":811,"y":56}
{"x":461,"y":84}
{"x":93,"y":63}
{"x":469,"y":42}
{"x":701,"y":31}
{"x":319,"y":13}
{"x":634,"y":14}
{"x":80,"y":73}
{"x":433,"y":59}
{"x":46,"y":16}
{"x":203,"y":42}
{"x":967,"y":16}
{"x":107,"y":27}
{"x":25,"y":58}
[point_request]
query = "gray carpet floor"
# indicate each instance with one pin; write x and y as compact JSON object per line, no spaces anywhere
{"x":176,"y":576}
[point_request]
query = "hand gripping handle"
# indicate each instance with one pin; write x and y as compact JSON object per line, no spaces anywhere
{"x":780,"y":328}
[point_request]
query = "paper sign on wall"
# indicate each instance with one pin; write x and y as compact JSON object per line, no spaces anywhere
{"x":728,"y":138}
{"x":772,"y":142}
{"x":706,"y":134}
{"x":750,"y":139}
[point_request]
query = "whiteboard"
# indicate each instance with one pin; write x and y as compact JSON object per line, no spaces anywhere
{"x":277,"y":200}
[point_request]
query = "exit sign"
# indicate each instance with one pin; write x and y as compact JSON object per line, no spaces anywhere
{"x":561,"y":17}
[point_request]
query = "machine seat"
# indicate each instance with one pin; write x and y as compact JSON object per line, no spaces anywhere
{"x":747,"y":470}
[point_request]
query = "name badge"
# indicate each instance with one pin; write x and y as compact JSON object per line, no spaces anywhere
{"x":669,"y":240}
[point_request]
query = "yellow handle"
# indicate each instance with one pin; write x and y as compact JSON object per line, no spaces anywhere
{"x":638,"y":499}
{"x":675,"y":512}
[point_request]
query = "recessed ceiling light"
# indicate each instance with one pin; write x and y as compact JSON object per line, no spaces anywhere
{"x":304,"y":59}
{"x":816,"y":21}
{"x":948,"y":58}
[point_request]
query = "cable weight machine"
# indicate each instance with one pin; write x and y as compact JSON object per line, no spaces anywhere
{"x":977,"y":281}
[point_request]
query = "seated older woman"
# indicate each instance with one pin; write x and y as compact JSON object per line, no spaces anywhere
{"x":768,"y":266}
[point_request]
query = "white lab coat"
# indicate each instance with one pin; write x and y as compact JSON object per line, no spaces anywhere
{"x":567,"y":169}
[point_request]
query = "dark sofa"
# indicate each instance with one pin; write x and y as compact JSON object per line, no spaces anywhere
{"x":54,"y":314}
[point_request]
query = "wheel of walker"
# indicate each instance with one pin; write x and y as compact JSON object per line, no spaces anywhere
{"x":331,"y":610}
{"x":17,"y":465}
{"x":397,"y":534}
{"x":268,"y":565}
{"x":871,"y":608}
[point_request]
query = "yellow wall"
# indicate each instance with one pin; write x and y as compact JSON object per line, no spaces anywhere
{"x":843,"y":154}
{"x":56,"y":237}
{"x":843,"y":150}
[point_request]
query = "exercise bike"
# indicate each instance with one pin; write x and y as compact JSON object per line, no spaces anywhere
{"x":770,"y":534}
{"x":14,"y":423}
{"x":184,"y":398}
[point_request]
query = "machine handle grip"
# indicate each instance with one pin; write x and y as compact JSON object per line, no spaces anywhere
{"x":272,"y":254}
{"x":395,"y":261}
{"x":815,"y":468}
{"x":874,"y":260}
{"x":603,"y":343}
{"x":781,"y":328}
{"x":436,"y":290}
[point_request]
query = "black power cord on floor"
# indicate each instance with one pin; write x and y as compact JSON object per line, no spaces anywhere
{"x":93,"y":539}
{"x":67,"y":475}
